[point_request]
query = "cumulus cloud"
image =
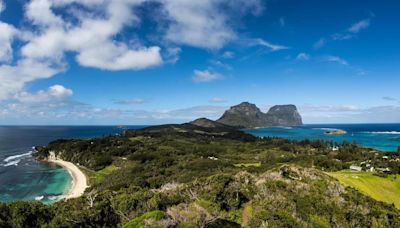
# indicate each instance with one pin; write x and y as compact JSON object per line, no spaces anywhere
{"x":205,"y":76}
{"x":92,"y":39}
{"x":55,"y":92}
{"x":91,"y":31}
{"x":303,"y":56}
{"x":14,"y":77}
{"x":7,"y":34}
{"x":205,"y":24}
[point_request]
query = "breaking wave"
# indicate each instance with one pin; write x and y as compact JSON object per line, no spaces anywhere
{"x":12,"y":163}
{"x":383,"y":132}
{"x":8,"y":159}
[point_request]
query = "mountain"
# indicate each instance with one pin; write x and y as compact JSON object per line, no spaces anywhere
{"x":248,"y":115}
{"x":284,"y":115}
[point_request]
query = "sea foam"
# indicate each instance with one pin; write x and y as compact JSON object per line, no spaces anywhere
{"x":10,"y":158}
{"x":383,"y":132}
{"x":12,"y":163}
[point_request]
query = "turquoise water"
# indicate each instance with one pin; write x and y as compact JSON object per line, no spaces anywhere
{"x":24,"y":178}
{"x":385,"y":137}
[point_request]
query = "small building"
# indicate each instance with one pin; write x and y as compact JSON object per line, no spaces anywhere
{"x":355,"y":168}
{"x":385,"y":157}
{"x":213,"y":158}
{"x":383,"y":170}
{"x":335,"y":148}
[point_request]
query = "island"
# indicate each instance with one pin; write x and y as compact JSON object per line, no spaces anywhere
{"x":208,"y":174}
{"x":335,"y":132}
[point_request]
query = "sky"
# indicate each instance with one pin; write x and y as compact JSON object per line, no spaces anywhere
{"x":140,"y":62}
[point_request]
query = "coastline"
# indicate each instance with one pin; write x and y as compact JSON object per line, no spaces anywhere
{"x":79,"y":180}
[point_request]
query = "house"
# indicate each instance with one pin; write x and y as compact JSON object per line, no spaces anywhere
{"x":385,"y":157}
{"x":335,"y":148}
{"x":383,"y":170}
{"x":356,"y":168}
{"x":213,"y":158}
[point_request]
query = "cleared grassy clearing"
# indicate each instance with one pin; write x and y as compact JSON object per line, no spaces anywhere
{"x":256,"y":164}
{"x":380,"y":188}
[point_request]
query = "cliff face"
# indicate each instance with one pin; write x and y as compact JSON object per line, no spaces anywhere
{"x":247,"y":115}
{"x":284,"y":115}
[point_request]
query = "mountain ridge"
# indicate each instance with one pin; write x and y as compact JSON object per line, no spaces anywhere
{"x":248,"y":115}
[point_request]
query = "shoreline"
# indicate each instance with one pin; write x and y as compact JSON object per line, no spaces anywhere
{"x":79,"y":180}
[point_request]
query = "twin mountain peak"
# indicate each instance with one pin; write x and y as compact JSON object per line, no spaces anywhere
{"x":248,"y":115}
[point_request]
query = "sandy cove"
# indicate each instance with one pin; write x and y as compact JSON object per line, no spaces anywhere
{"x":79,"y":180}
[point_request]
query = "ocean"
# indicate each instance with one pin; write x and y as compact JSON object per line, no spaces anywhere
{"x":385,"y":137}
{"x":22,"y":177}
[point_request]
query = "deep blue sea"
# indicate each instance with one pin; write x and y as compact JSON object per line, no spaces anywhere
{"x":23,"y":178}
{"x":385,"y":137}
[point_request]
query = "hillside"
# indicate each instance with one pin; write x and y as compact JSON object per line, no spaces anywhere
{"x":191,"y":176}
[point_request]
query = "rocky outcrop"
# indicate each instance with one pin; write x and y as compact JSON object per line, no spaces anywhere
{"x":247,"y":115}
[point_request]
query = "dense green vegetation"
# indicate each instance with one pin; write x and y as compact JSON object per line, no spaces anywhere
{"x":189,"y":176}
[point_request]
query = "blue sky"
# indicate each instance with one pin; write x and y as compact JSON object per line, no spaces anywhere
{"x":163,"y":61}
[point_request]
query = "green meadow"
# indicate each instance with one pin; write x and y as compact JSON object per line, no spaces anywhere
{"x":386,"y":189}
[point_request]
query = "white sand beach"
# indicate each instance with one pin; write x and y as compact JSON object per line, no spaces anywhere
{"x":79,"y":181}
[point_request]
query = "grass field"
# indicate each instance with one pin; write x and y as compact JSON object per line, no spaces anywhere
{"x":256,"y":164}
{"x":380,"y":188}
{"x":99,"y":175}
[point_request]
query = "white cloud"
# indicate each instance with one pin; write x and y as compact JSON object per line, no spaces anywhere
{"x":205,"y":76}
{"x":14,"y":77}
{"x":303,"y":56}
{"x":217,"y":100}
{"x":130,"y":102}
{"x":228,"y":55}
{"x":320,"y":43}
{"x":336,"y":59}
{"x":91,"y":37}
{"x":2,"y":6}
{"x":264,"y":43}
{"x":357,"y":27}
{"x":205,"y":24}
{"x":172,"y":54}
{"x":352,"y":30}
{"x":7,"y":34}
{"x":55,"y":92}
{"x":197,"y":23}
{"x":90,"y":30}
